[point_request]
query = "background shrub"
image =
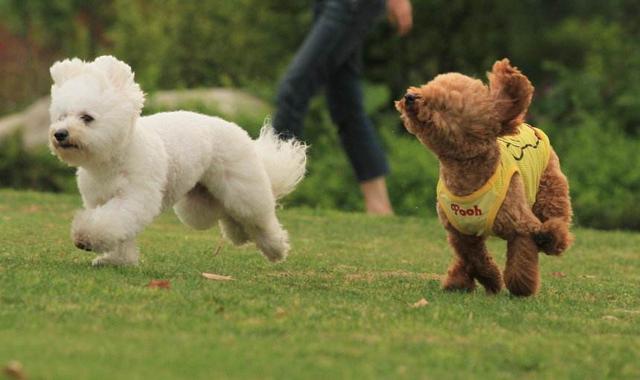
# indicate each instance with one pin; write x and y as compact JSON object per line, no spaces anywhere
{"x":37,"y":169}
{"x":582,"y":56}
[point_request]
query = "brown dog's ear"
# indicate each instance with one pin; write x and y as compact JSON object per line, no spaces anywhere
{"x":511,"y":92}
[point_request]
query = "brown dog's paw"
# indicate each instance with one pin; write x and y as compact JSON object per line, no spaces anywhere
{"x":554,"y":237}
{"x":521,"y":290}
{"x":458,"y":283}
{"x":521,"y":285}
{"x":491,"y":285}
{"x":544,"y":241}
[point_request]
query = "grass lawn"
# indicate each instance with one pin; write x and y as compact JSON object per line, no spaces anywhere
{"x":339,"y":307}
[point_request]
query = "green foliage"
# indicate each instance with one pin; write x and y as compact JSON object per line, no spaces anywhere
{"x":468,"y":36}
{"x":591,"y":113}
{"x":339,"y":307}
{"x":599,"y":160}
{"x":586,"y":81}
{"x":62,"y":26}
{"x":602,"y":166}
{"x":414,"y":169}
{"x":582,"y":56}
{"x":38,"y":169}
{"x":173,"y":43}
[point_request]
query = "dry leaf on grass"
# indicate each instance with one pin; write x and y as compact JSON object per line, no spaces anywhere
{"x":159,"y":284}
{"x":627,"y":311}
{"x":216,"y":277}
{"x":14,"y":370}
{"x":558,"y":274}
{"x":32,"y":209}
{"x":422,"y":303}
{"x":610,"y":318}
{"x":280,"y":312}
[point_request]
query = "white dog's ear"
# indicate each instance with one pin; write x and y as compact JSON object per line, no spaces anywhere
{"x":121,"y":76}
{"x":62,"y":71}
{"x":118,"y":72}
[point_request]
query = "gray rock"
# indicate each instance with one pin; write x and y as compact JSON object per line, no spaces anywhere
{"x":33,"y":122}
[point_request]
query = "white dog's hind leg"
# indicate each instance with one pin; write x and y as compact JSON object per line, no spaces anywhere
{"x":198,"y":209}
{"x":255,"y":212}
{"x":271,"y":238}
{"x":126,"y":253}
{"x":245,"y":192}
{"x":233,"y":231}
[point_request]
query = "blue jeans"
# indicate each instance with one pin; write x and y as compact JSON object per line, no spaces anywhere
{"x":331,"y":56}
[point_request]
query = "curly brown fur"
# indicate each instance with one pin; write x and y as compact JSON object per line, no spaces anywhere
{"x":460,"y":118}
{"x":459,"y":277}
{"x":472,"y":261}
{"x":511,"y":92}
{"x":553,"y":208}
{"x":521,"y":275}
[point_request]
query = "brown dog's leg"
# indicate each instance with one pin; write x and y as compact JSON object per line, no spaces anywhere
{"x":472,"y":261}
{"x":458,"y":277}
{"x":521,"y":275}
{"x":553,"y":208}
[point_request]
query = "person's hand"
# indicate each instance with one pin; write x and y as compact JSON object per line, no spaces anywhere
{"x":399,"y":13}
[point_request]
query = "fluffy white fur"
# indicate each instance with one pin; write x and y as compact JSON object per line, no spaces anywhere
{"x":130,"y":168}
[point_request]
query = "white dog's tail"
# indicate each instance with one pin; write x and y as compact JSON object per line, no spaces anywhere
{"x":284,"y":160}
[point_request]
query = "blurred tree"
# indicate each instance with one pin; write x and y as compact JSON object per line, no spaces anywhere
{"x":583,"y":56}
{"x":65,"y":27}
{"x":189,"y":43}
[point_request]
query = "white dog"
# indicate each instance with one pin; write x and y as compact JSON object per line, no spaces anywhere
{"x":131,"y":168}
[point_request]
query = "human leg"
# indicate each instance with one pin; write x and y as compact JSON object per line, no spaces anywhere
{"x":376,"y":197}
{"x":358,"y":136}
{"x":337,"y":31}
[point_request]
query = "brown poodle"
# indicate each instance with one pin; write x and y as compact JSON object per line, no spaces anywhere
{"x":498,"y":176}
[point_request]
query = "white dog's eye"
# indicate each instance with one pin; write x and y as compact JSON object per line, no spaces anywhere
{"x":61,"y":117}
{"x":86,"y":118}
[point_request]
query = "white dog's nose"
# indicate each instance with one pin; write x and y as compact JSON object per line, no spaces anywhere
{"x":61,"y":135}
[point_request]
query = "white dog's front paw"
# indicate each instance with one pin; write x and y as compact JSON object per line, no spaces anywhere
{"x":109,"y":259}
{"x":81,"y":241}
{"x":79,"y":232}
{"x":87,"y":235}
{"x":85,"y":241}
{"x":125,"y":254}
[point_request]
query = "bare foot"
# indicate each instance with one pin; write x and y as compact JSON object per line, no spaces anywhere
{"x":376,"y":198}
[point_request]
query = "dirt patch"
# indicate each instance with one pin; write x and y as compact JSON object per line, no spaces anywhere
{"x":361,"y":276}
{"x":373,"y":276}
{"x":305,"y":274}
{"x":32,"y":209}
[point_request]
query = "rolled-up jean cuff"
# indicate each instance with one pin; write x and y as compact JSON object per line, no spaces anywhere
{"x":372,"y":172}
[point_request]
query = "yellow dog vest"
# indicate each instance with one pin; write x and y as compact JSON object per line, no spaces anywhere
{"x":527,"y":153}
